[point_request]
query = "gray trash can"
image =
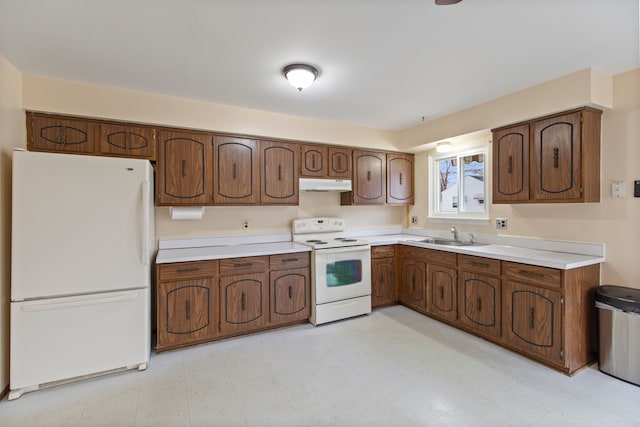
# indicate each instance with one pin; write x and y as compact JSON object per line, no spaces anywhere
{"x":619,"y":332}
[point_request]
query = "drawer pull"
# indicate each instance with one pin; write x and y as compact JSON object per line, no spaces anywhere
{"x":556,"y":157}
{"x":533,"y":274}
{"x":290,"y":292}
{"x":532,"y":316}
{"x":479,"y":302}
{"x":279,"y":172}
{"x":243,"y":301}
{"x":510,"y":164}
{"x":187,"y":309}
{"x":400,"y":178}
{"x":368,"y":175}
{"x":235,"y":171}
{"x":187,"y":270}
{"x":480,"y":264}
{"x":184,"y":168}
{"x":290,"y":260}
{"x":243,"y":264}
{"x":441,"y":288}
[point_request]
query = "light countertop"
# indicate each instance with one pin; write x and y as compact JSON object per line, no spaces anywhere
{"x":228,"y":251}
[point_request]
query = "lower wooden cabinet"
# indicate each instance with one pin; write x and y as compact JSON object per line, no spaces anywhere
{"x":442,"y":291}
{"x":383,"y":276}
{"x":290,"y":295}
{"x":244,"y":302}
{"x":413,"y":291}
{"x":480,"y":303}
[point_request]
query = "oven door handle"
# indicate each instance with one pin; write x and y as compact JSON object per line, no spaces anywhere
{"x":343,"y":249}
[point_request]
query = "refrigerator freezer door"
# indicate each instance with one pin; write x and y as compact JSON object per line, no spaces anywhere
{"x":81,"y":224}
{"x":63,"y":338}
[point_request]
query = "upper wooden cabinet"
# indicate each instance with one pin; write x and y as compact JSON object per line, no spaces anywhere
{"x":46,"y":132}
{"x":400,"y":179}
{"x":321,"y":161}
{"x":60,"y":134}
{"x":551,"y":159}
{"x":236,"y":179}
{"x":184,"y":168}
{"x":279,"y":173}
{"x":369,"y":179}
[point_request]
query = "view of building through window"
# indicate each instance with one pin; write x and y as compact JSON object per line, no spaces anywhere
{"x":466,"y":195}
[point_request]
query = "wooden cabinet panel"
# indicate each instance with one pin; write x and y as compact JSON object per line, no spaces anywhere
{"x":186,"y":312}
{"x":536,"y":275}
{"x":127,"y":141}
{"x":252,"y":264}
{"x":187,"y":270}
{"x":339,"y":162}
{"x":384,"y":251}
{"x":442,"y":291}
{"x":244,"y":302}
{"x":369,"y":179}
{"x":236,"y":179}
{"x":400,"y":179}
{"x":286,"y":261}
{"x":290,"y":295}
{"x":280,"y":172}
{"x":532,"y":320}
{"x":314,"y":161}
{"x":480,"y":307}
{"x":511,"y":164}
{"x":60,"y":134}
{"x":383,"y":282}
{"x":184,"y":169}
{"x":413,"y":290}
{"x":479,"y":265}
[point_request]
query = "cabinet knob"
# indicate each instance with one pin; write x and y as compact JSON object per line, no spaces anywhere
{"x":243,"y":301}
{"x":532,"y":317}
{"x":556,"y":157}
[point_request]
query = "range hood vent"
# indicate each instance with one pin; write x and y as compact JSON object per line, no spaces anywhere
{"x":324,"y":184}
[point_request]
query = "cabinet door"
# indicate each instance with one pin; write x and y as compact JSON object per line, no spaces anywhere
{"x":442,"y":291}
{"x":244,"y":302}
{"x":400,"y":179}
{"x":511,"y":164}
{"x":413,"y":284}
{"x":183,"y":170}
{"x":339,"y":163}
{"x":383,"y":283}
{"x":236,"y":164}
{"x":369,"y":179}
{"x":60,"y":134}
{"x":187,"y":312}
{"x":532,"y":321}
{"x":480,"y":303}
{"x":129,"y":141}
{"x":314,"y":161}
{"x":290,"y":295}
{"x":556,"y":156}
{"x":279,"y":173}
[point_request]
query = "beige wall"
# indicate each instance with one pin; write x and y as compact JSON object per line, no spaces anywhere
{"x":11,"y":135}
{"x":612,"y":221}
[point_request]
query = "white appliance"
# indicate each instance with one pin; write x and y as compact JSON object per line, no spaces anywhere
{"x":324,"y":184}
{"x":340,"y":269}
{"x":82,"y":243}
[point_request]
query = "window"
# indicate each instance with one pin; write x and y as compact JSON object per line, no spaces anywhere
{"x":458,"y":184}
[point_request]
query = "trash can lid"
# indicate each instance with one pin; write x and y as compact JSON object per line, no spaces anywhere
{"x":627,"y":299}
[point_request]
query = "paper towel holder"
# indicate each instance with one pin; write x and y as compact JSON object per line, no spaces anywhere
{"x":186,"y":212}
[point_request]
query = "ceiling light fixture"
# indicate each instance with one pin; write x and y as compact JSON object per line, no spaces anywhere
{"x":444,"y":147}
{"x":300,"y":76}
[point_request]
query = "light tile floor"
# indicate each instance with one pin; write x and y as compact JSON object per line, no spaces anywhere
{"x":394,"y":367}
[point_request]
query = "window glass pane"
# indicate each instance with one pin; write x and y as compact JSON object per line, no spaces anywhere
{"x":473,"y":185}
{"x":448,"y":194}
{"x":342,"y":273}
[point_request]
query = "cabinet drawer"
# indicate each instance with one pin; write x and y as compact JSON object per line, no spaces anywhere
{"x":284,"y":261}
{"x":479,"y":264}
{"x":441,"y":257}
{"x":244,"y":265}
{"x":382,"y":251}
{"x":186,"y":270}
{"x":532,"y":274}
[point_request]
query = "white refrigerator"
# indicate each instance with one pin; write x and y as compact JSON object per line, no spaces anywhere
{"x":81,"y":248}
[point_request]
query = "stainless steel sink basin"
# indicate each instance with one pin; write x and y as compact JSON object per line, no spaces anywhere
{"x":449,"y":242}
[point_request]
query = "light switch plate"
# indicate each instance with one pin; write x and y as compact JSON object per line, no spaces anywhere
{"x":618,"y":190}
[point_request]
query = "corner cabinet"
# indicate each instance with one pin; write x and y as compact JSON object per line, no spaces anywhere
{"x":550,"y":159}
{"x":400,"y":184}
{"x":369,"y":179}
{"x":187,"y":304}
{"x":279,"y":172}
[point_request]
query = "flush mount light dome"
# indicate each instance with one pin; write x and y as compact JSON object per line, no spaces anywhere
{"x":300,"y":76}
{"x":444,"y":147}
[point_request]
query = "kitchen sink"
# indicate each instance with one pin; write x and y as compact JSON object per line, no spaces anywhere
{"x":450,"y":242}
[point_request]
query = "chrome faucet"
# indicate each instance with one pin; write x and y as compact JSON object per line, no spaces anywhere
{"x":454,"y":232}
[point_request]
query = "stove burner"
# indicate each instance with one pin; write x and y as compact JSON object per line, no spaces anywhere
{"x":345,"y":239}
{"x":317,"y":241}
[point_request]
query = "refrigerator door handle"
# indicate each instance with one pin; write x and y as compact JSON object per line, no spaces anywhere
{"x":145,"y":223}
{"x":91,"y":300}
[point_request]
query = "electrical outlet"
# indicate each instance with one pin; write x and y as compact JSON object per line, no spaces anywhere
{"x":245,"y":224}
{"x":501,"y":223}
{"x":414,"y":220}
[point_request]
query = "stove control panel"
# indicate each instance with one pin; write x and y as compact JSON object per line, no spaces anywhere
{"x":318,"y":225}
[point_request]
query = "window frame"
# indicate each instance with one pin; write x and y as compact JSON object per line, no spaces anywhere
{"x":434,"y":186}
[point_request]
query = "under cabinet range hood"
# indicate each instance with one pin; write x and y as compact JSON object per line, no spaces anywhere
{"x":324,"y":184}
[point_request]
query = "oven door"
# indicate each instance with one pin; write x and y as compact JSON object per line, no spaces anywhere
{"x":341,"y":273}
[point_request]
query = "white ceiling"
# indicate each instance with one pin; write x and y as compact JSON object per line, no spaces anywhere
{"x":383,"y":63}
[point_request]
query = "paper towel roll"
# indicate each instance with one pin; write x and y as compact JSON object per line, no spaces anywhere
{"x":186,"y":212}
